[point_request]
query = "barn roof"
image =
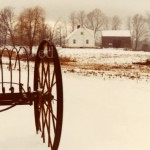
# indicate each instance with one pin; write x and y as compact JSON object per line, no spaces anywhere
{"x":116,"y":33}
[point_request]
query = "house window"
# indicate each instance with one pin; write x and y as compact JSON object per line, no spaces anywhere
{"x":87,"y":41}
{"x":74,"y":41}
{"x":81,"y":33}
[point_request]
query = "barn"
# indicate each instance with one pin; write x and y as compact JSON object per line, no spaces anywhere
{"x":80,"y":38}
{"x":116,"y":38}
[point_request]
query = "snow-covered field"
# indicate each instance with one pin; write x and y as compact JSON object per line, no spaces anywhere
{"x":105,"y":63}
{"x":105,"y":114}
{"x":100,"y":112}
{"x":105,"y":56}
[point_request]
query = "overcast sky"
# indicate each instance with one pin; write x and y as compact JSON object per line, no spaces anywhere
{"x":62,"y":8}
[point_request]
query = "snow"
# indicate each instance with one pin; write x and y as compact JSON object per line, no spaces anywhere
{"x":104,"y":56}
{"x":18,"y":131}
{"x":116,"y":33}
{"x":105,"y":114}
{"x":99,"y":113}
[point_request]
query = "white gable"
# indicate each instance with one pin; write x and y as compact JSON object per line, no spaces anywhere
{"x":81,"y":29}
{"x":71,"y":34}
{"x":116,"y":33}
{"x":81,"y":37}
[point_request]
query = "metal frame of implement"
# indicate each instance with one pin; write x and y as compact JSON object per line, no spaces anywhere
{"x":47,"y":94}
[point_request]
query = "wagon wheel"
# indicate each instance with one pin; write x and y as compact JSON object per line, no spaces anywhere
{"x":48,"y":107}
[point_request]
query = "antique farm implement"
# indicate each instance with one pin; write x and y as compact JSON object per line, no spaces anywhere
{"x":27,"y":80}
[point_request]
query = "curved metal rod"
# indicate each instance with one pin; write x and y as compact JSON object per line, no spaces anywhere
{"x":8,"y":108}
{"x":28,"y":66}
{"x":11,"y":106}
{"x":1,"y":66}
{"x":10,"y":67}
{"x":14,"y":54}
{"x":17,"y":59}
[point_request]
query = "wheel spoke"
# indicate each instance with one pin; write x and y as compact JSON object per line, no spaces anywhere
{"x":49,"y":137}
{"x":47,"y":125}
{"x":51,"y":112}
{"x":43,"y":133}
{"x":45,"y":82}
{"x":46,"y":74}
{"x":52,"y":82}
{"x":53,"y":117}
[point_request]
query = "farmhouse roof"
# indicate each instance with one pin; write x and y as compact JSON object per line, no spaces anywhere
{"x":91,"y":32}
{"x":116,"y":33}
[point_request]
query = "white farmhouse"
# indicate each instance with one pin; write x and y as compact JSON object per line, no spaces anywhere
{"x":81,"y":37}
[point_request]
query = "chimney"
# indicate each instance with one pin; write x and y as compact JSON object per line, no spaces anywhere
{"x":78,"y":26}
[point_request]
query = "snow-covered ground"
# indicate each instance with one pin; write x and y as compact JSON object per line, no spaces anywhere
{"x":105,"y":114}
{"x":104,"y":56}
{"x":100,"y":112}
{"x":106,"y":62}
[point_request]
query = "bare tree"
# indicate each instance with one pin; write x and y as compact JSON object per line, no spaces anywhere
{"x":148,"y":24}
{"x":106,"y":23}
{"x":61,"y":33}
{"x":65,"y":29}
{"x":31,"y":21}
{"x":128,"y":23}
{"x":138,"y":29}
{"x":148,"y":20}
{"x":7,"y":20}
{"x":96,"y":21}
{"x":53,"y":30}
{"x":115,"y":23}
{"x":20,"y":37}
{"x":81,"y":18}
{"x":73,"y":21}
{"x":65,"y":33}
{"x":3,"y":34}
{"x":43,"y":31}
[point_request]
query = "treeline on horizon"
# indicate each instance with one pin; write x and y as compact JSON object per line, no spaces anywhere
{"x":30,"y":26}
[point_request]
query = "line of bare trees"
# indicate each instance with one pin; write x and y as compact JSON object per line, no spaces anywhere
{"x":26,"y":29}
{"x":30,"y":26}
{"x":96,"y":20}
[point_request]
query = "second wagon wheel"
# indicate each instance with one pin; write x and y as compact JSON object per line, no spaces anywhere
{"x":49,"y":105}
